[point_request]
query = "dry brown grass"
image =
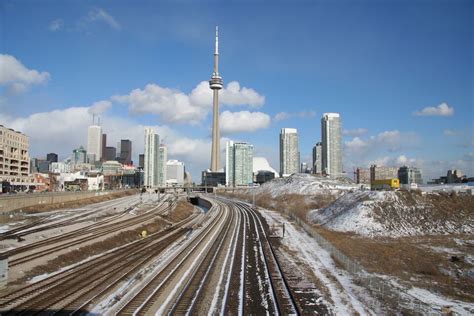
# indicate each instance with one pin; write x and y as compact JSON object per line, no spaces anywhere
{"x":182,"y":210}
{"x":410,"y":259}
{"x":78,"y":203}
{"x":297,"y":204}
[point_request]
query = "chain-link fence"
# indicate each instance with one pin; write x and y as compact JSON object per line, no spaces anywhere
{"x":392,"y":298}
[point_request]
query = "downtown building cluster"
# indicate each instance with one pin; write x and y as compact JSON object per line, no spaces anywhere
{"x":93,"y":167}
{"x":327,"y":153}
{"x":158,"y":170}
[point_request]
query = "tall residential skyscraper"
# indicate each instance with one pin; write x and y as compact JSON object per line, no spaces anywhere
{"x":332,"y":144}
{"x":162,"y":160}
{"x":239,"y":164}
{"x":216,"y":83}
{"x":94,"y":143}
{"x":289,"y":152}
{"x":317,"y":158}
{"x":151,"y":168}
{"x":125,"y":152}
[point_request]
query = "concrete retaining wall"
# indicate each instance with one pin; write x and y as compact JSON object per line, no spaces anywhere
{"x":19,"y":201}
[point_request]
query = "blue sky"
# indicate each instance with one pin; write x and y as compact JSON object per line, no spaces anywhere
{"x":400,"y":73}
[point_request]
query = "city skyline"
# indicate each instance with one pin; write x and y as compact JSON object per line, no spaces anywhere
{"x":397,"y":111}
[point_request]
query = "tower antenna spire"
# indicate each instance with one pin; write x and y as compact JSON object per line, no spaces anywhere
{"x":217,"y":41}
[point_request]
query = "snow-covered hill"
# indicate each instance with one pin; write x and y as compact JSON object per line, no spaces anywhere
{"x":306,"y":184}
{"x":397,"y":214}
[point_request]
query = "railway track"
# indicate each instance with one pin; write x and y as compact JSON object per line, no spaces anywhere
{"x":221,"y":262}
{"x":74,"y":288}
{"x":248,"y":272}
{"x":143,"y":301}
{"x":281,"y":292}
{"x":81,"y":235}
{"x":37,"y":226}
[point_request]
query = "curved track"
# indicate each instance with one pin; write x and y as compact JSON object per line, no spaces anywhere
{"x":220,"y":262}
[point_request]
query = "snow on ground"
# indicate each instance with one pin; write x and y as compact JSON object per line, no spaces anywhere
{"x":307,"y":184}
{"x":394,"y":214}
{"x":347,"y":297}
{"x":435,"y":301}
{"x":351,"y":213}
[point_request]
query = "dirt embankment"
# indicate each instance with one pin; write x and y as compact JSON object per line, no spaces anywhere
{"x":295,"y":203}
{"x":182,"y":210}
{"x":78,"y":203}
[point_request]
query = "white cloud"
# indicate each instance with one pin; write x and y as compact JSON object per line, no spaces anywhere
{"x":70,"y":131}
{"x":233,"y":94}
{"x":401,"y":160}
{"x":56,"y":25}
{"x":355,"y":132}
{"x":356,"y":146}
{"x":174,"y":106}
{"x":243,"y":121}
{"x":361,"y":152}
{"x":281,"y":116}
{"x":99,"y":107}
{"x":391,"y":138}
{"x":441,"y":110}
{"x":102,"y":16}
{"x":16,"y":77}
{"x":171,"y":105}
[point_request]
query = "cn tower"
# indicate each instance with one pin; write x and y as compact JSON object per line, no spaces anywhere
{"x":216,"y":83}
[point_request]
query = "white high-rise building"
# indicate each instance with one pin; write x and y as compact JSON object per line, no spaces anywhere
{"x":162,"y":159}
{"x":94,"y":143}
{"x":151,"y":168}
{"x":289,"y":152}
{"x":332,"y":144}
{"x":174,"y":172}
{"x":229,"y":163}
{"x":239,"y":164}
